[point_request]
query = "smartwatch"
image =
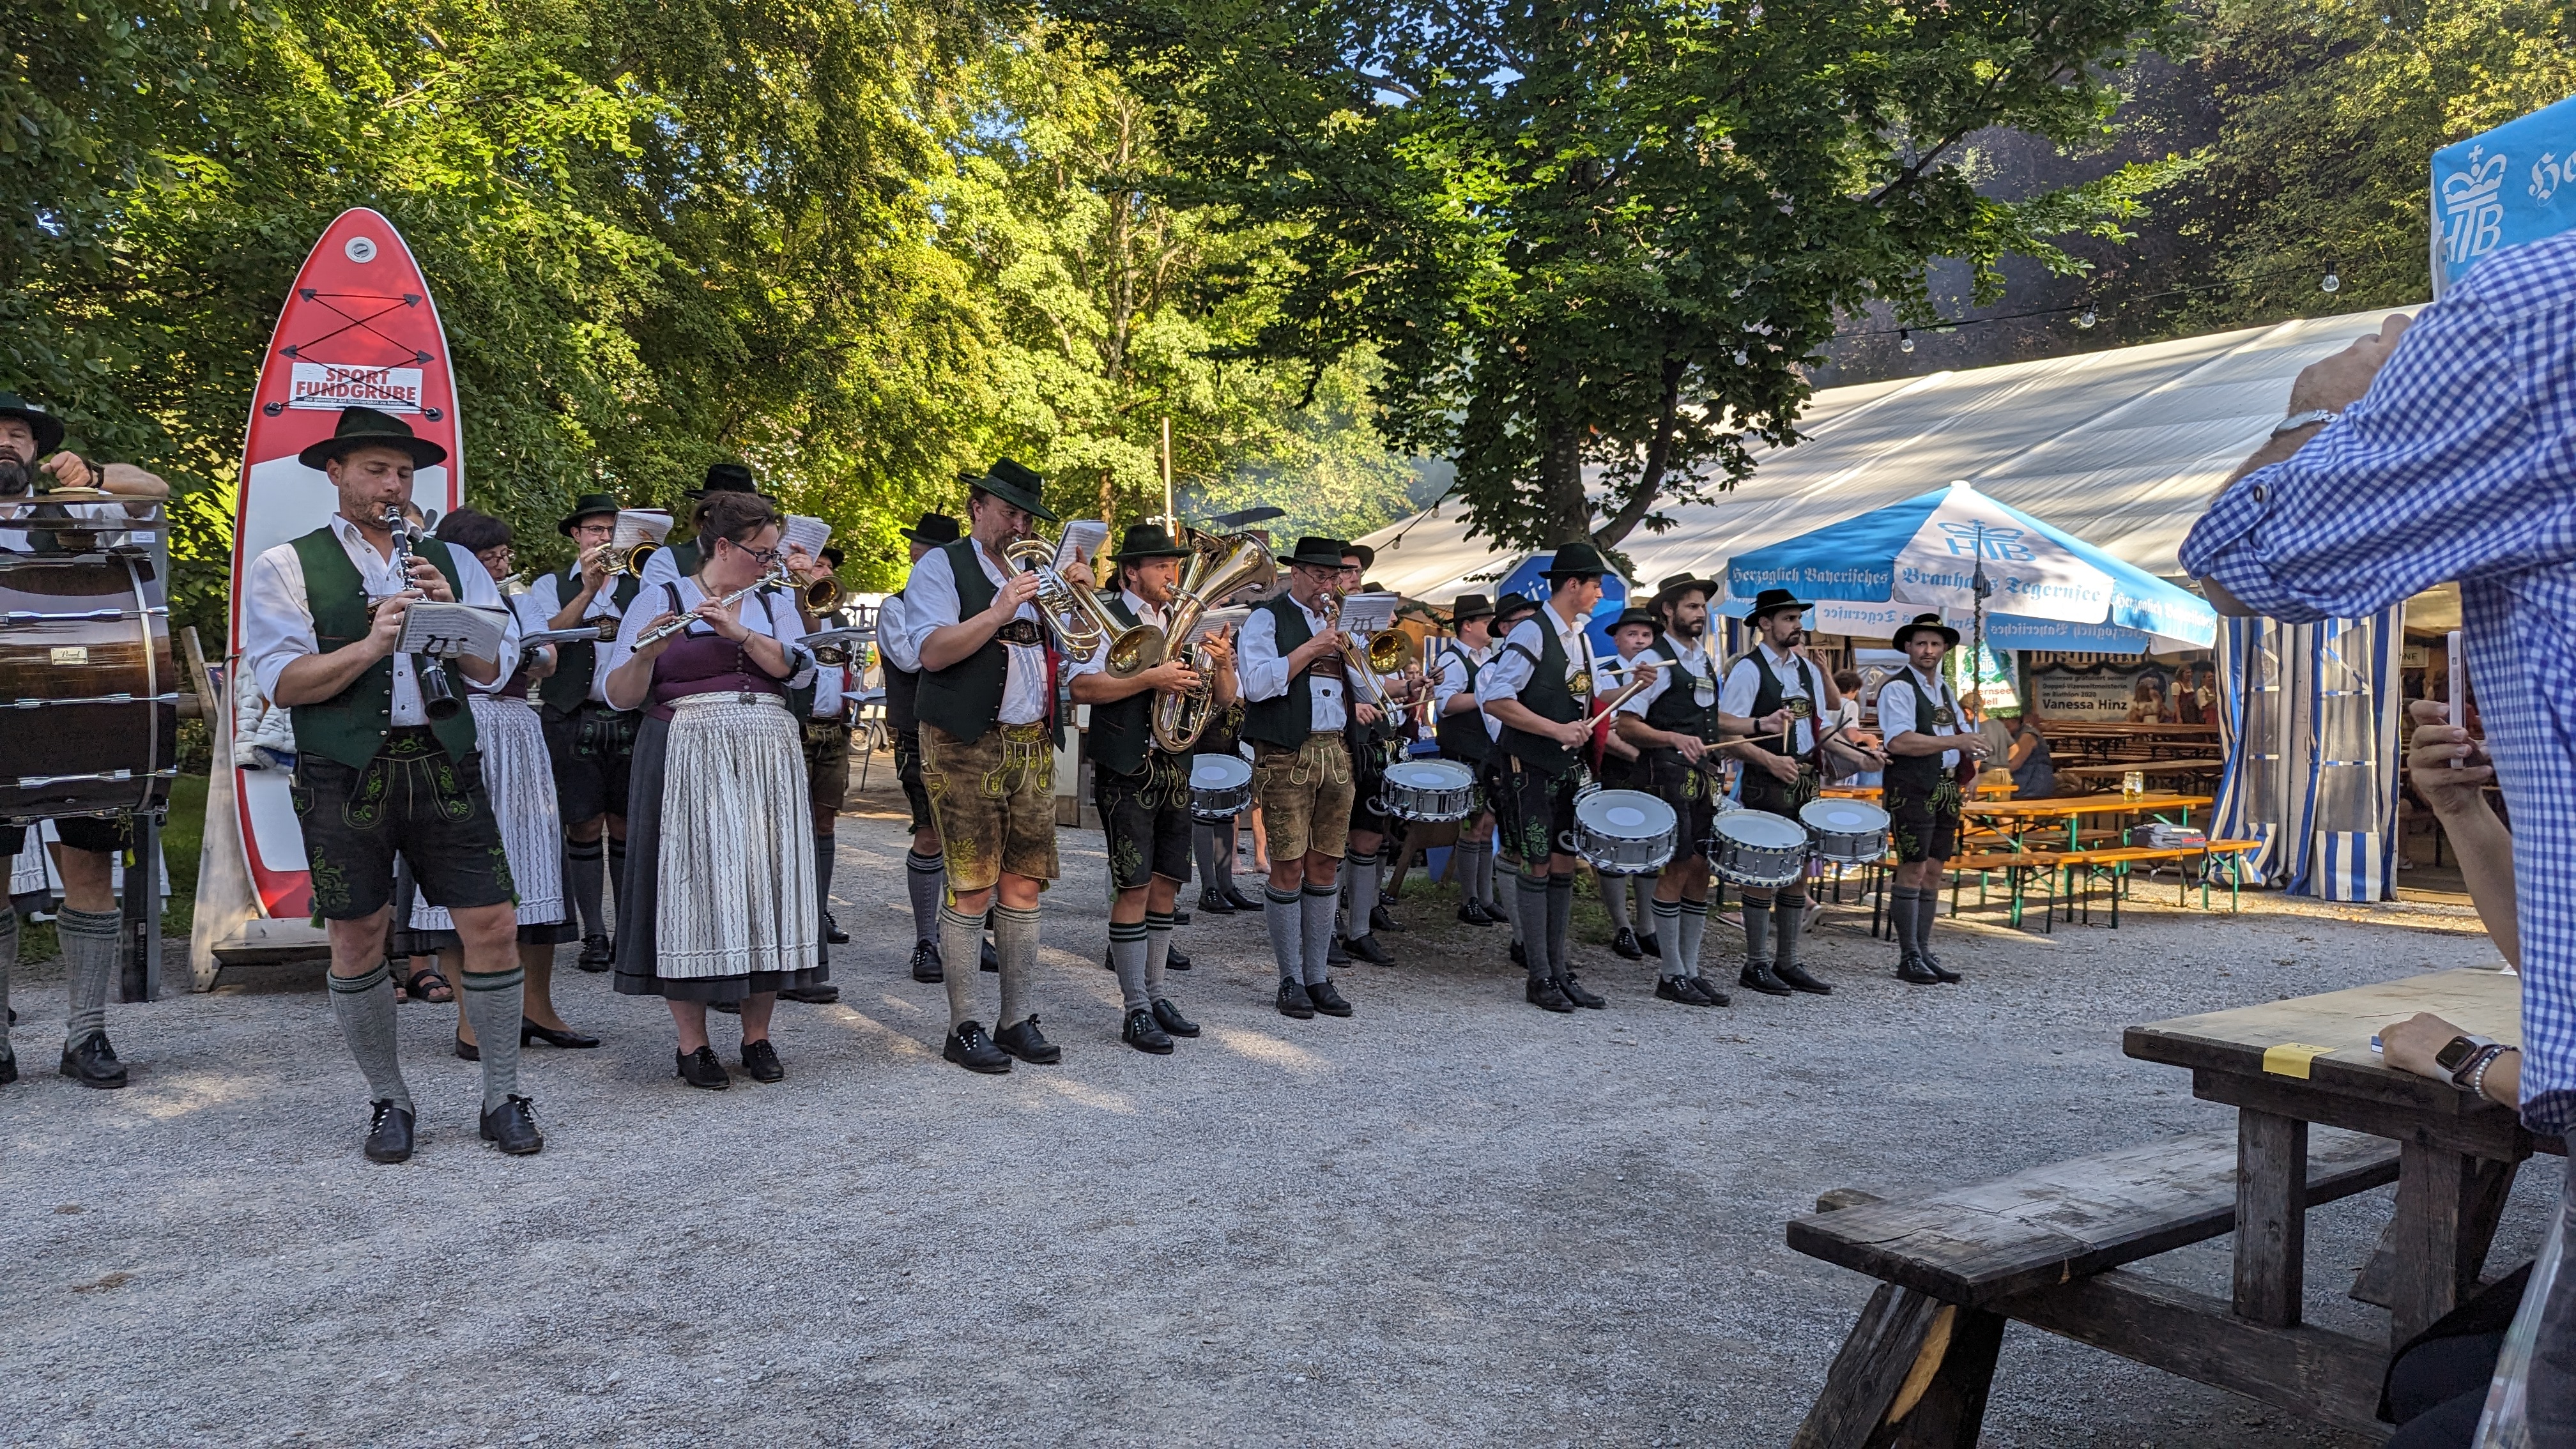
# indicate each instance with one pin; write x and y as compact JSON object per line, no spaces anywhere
{"x":2459,"y":1056}
{"x":2296,"y":421}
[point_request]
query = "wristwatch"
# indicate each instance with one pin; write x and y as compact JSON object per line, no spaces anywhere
{"x":2459,"y":1056}
{"x":2296,"y":421}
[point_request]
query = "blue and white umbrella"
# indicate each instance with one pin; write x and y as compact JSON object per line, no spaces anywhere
{"x":2048,"y":589}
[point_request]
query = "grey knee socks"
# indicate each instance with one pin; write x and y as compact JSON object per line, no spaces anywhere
{"x":8,"y":962}
{"x":823,"y":857}
{"x":1901,"y":902}
{"x":1015,"y":941}
{"x":1644,"y":886}
{"x":1926,"y":907}
{"x":1757,"y":931}
{"x":1694,"y":928}
{"x":1315,"y":926}
{"x":1667,"y":918}
{"x":1529,"y":905}
{"x":961,"y":946}
{"x":1472,"y":861}
{"x":926,"y":879}
{"x":1614,"y":899}
{"x":1127,"y":954}
{"x":493,"y":1004}
{"x":1284,"y":912}
{"x":89,"y":964}
{"x":617,"y":877}
{"x":364,"y":1007}
{"x":1364,"y":883}
{"x":1158,"y":952}
{"x":1203,"y":843}
{"x":1507,"y":903}
{"x":1560,"y":921}
{"x":587,"y":863}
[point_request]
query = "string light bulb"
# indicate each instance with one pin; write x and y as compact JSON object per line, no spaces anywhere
{"x":2332,"y":284}
{"x":1904,"y":340}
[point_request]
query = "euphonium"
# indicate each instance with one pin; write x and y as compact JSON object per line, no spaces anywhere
{"x":1219,"y":567}
{"x":1082,"y":623}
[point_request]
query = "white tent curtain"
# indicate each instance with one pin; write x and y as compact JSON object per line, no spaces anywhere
{"x":2310,"y":732}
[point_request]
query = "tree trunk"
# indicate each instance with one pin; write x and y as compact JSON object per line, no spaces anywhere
{"x":1560,"y":484}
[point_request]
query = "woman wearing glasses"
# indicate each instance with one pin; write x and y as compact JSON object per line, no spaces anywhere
{"x":718,"y":901}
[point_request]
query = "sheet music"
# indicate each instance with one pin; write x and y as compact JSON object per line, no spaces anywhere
{"x":639,"y":525}
{"x":809,"y":534}
{"x":1083,"y":536}
{"x":538,"y":638}
{"x":1368,"y":613}
{"x":448,"y":630}
{"x":866,"y":634}
{"x":1214,"y":620}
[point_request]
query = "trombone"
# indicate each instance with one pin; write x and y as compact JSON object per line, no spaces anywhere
{"x":1082,"y":622}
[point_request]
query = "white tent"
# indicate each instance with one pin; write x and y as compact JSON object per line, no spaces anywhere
{"x":2122,"y":449}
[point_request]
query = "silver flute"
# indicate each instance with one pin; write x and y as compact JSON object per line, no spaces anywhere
{"x":776,"y":577}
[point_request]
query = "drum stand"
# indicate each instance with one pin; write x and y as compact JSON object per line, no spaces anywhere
{"x":139,"y":941}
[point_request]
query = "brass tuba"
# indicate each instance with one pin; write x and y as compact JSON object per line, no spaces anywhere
{"x":1220,"y":566}
{"x":1082,"y":622}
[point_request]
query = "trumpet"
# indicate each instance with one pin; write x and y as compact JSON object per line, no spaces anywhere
{"x":822,"y":595}
{"x":1386,"y":652}
{"x":680,"y":625}
{"x":1081,"y":621}
{"x":1220,"y":566}
{"x":629,"y":561}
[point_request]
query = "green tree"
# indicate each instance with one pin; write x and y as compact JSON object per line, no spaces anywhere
{"x":1611,"y":234}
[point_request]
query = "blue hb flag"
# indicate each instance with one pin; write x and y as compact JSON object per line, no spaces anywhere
{"x":2514,"y":184}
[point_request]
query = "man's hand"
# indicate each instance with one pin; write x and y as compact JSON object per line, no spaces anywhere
{"x":541,"y":663}
{"x":1783,"y":768}
{"x":1219,"y":644}
{"x":1172,"y":676}
{"x":800,"y":565}
{"x":594,"y":572}
{"x":1691,"y":747}
{"x":431,"y":583}
{"x":1776,"y":722}
{"x":2409,"y":1046}
{"x":1364,"y":712}
{"x":1015,"y":591}
{"x":2436,"y":746}
{"x":1077,"y":572}
{"x":2337,"y":382}
{"x":1573,"y":734}
{"x":387,"y":628}
{"x":68,"y":470}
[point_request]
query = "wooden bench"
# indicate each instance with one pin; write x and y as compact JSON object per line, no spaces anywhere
{"x":2046,"y":1248}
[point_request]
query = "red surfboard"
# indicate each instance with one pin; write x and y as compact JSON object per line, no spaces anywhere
{"x":358,"y":329}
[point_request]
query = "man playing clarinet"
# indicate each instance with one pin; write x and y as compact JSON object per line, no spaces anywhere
{"x":377,"y":774}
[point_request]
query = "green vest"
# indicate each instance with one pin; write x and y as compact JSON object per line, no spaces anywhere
{"x":1547,"y":696}
{"x":1677,"y":709}
{"x":1769,"y":695}
{"x":568,"y":687}
{"x":1289,"y":719}
{"x":350,"y":726}
{"x":1918,"y":773}
{"x":1123,"y":729}
{"x":965,"y":698}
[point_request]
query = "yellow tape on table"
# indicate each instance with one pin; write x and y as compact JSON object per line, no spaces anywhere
{"x":2292,"y":1059}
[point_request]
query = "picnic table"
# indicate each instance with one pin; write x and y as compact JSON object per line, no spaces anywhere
{"x":2073,"y":808}
{"x":2206,"y":765}
{"x":2049,"y":1247}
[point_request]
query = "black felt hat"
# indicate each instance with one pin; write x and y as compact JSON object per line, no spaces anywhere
{"x":1365,"y":554}
{"x":368,"y":428}
{"x":726,"y":477}
{"x":1772,"y":601}
{"x":935,"y":530}
{"x":1949,"y":636}
{"x":1148,"y":540}
{"x":1318,"y":552}
{"x":1577,"y":561}
{"x":1679,"y":584}
{"x":588,"y":505}
{"x":1634,"y":615}
{"x":47,"y":427}
{"x":1469,"y":606}
{"x":1510,"y":606}
{"x":1015,"y":485}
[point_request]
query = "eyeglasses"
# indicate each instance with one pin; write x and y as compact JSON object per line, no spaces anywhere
{"x":498,"y":556}
{"x":765,"y":557}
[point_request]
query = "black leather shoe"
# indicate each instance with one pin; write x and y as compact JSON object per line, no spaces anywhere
{"x":1381,"y":919}
{"x":1146,"y":1034}
{"x":1933,"y":964}
{"x":1649,"y":944}
{"x":469,"y":1051}
{"x":1913,"y":971}
{"x":1520,"y":957}
{"x":389,"y":1133}
{"x":512,"y":1127}
{"x":1214,"y":904}
{"x":1626,"y":946}
{"x":992,"y":958}
{"x":1328,"y":999}
{"x":1708,"y":990}
{"x":8,"y":1067}
{"x":701,"y":1069}
{"x":1473,"y":912}
{"x":1756,"y":976}
{"x":1241,"y":901}
{"x":1798,"y":979}
{"x":92,"y":1063}
{"x":725,"y":1008}
{"x":567,"y":1038}
{"x":1180,"y":918}
{"x":968,"y":1047}
{"x":1293,"y":1001}
{"x":1176,"y":959}
{"x":1023,"y":1040}
{"x":1678,"y":988}
{"x":1169,"y":1018}
{"x":760,"y":1062}
{"x":597,"y":954}
{"x":832,"y":931}
{"x":1575,"y":992}
{"x":820,"y":994}
{"x":925,"y":962}
{"x":1544,"y":994}
{"x":1337,"y":954}
{"x":1366,"y":948}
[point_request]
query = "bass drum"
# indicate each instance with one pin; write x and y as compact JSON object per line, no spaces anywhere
{"x":89,"y":700}
{"x":1434,"y":792}
{"x":1845,"y":832}
{"x":1623,"y":832}
{"x":1756,"y":848}
{"x":1220,"y":787}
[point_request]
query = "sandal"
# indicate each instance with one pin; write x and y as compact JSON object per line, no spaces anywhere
{"x":427,"y":985}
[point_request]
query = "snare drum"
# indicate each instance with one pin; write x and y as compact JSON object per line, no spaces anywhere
{"x":1623,"y":832}
{"x":1756,"y":848}
{"x":1431,"y":791}
{"x":1220,"y":787}
{"x":1845,"y":832}
{"x":89,"y":700}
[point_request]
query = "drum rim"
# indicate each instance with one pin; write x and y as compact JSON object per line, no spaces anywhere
{"x":1717,"y":825}
{"x":1883,"y":817}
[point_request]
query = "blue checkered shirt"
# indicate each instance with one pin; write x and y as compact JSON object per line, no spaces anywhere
{"x":2459,"y":464}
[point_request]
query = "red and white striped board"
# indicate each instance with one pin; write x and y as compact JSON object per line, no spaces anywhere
{"x":358,"y":328}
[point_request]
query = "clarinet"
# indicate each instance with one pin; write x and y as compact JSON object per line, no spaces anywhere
{"x":437,"y":693}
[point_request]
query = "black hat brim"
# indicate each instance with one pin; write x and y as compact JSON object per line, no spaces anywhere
{"x":1757,"y":615}
{"x":1710,"y":587}
{"x":1905,"y":635}
{"x":47,"y":428}
{"x":424,"y":453}
{"x":1123,"y":556}
{"x":569,"y":519}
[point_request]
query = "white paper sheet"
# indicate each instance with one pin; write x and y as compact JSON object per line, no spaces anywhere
{"x":448,"y":630}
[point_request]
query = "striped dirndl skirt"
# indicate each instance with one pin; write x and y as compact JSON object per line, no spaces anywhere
{"x":519,"y":778}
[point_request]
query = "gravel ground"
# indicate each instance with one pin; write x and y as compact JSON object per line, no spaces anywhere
{"x":1452,"y":1219}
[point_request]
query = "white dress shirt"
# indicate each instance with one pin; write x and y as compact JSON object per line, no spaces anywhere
{"x":1145,"y":614}
{"x":932,"y":590}
{"x":768,"y":612}
{"x":1511,"y":669}
{"x":1263,"y":670}
{"x":1896,"y":708}
{"x":277,"y":620}
{"x":894,"y":635}
{"x":1744,"y":682}
{"x":1678,"y":665}
{"x":545,"y":599}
